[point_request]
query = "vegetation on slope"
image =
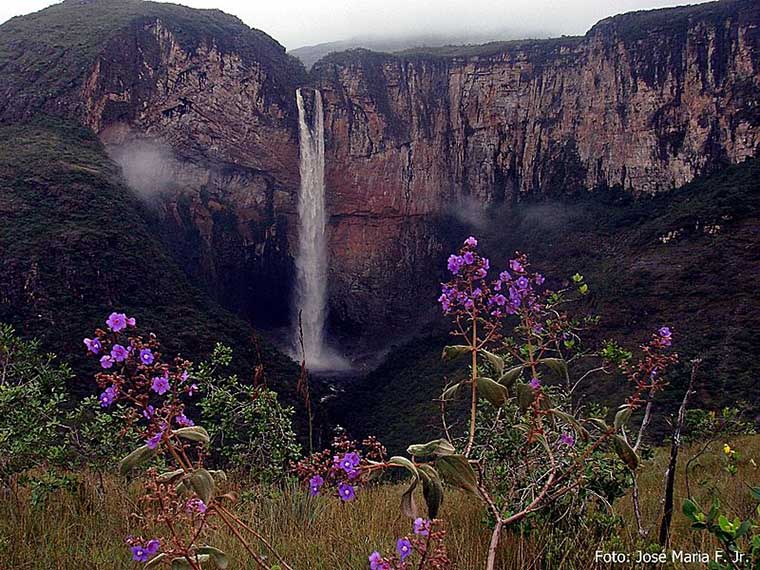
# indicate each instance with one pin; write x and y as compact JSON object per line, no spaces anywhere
{"x":75,"y":244}
{"x":687,"y":258}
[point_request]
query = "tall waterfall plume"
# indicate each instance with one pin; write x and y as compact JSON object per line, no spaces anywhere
{"x":311,"y":257}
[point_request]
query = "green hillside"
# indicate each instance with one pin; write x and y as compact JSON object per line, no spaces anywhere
{"x":76,"y":244}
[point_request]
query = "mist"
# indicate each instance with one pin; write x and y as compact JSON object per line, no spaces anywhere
{"x":298,"y":23}
{"x":148,"y":167}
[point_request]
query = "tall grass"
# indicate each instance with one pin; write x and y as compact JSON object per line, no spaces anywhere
{"x":86,"y":529}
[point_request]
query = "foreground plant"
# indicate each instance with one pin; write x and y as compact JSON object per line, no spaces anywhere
{"x":182,"y":500}
{"x":530,"y":449}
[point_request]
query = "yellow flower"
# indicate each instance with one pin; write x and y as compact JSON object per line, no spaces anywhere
{"x":727,"y":449}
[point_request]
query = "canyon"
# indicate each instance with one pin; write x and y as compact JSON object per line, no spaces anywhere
{"x":641,"y":104}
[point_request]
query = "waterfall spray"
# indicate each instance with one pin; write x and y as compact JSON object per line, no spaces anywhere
{"x":311,"y":258}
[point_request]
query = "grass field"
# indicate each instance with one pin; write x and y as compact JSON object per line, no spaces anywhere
{"x":86,"y":529}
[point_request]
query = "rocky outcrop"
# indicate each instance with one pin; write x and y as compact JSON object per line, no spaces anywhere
{"x":199,"y":110}
{"x":643,"y":103}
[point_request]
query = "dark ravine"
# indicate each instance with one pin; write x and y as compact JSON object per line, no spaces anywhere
{"x":199,"y":111}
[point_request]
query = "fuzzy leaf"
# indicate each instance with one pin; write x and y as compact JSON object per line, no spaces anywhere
{"x":625,"y":452}
{"x":623,"y":415}
{"x":436,"y":447}
{"x":138,"y":456}
{"x":511,"y":376}
{"x":525,"y":396}
{"x":492,"y":391}
{"x":171,"y":476}
{"x":408,"y":505}
{"x":218,"y":556}
{"x":155,"y":560}
{"x":203,"y":484}
{"x":571,"y":421}
{"x":690,"y":509}
{"x":457,"y":471}
{"x":193,"y":433}
{"x":556,"y":365}
{"x":405,"y":463}
{"x":455,"y":351}
{"x":451,"y":392}
{"x":494,"y":360}
{"x":432,"y":490}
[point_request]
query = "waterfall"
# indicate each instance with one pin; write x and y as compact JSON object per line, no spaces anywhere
{"x":311,"y":258}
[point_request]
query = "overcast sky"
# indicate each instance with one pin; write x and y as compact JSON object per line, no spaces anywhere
{"x":295,"y":23}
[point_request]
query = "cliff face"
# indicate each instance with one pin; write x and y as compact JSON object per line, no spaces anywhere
{"x":199,"y":110}
{"x":644,"y":103}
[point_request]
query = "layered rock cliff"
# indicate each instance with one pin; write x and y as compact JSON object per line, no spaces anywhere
{"x":199,"y":110}
{"x":643,"y":103}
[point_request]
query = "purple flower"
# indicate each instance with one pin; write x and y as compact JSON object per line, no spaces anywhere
{"x":404,"y":548}
{"x":93,"y":345}
{"x":471,"y":241}
{"x":539,"y":279}
{"x":468,"y":258}
{"x":106,"y":362}
{"x":153,"y":442}
{"x":117,"y":322}
{"x":534,"y":383}
{"x":131,"y":321}
{"x":108,"y":396}
{"x":183,"y":377}
{"x":139,"y":554}
{"x":375,"y":561}
{"x":119,"y":353}
{"x":567,"y":439}
{"x":349,"y":462}
{"x":184,"y":421}
{"x":152,"y":547}
{"x":148,"y":412}
{"x":315,"y":484}
{"x":516,"y":266}
{"x":195,"y":505}
{"x":500,"y":300}
{"x":160,"y":385}
{"x":346,"y":492}
{"x":192,"y":390}
{"x":522,"y":282}
{"x":146,"y":356}
{"x":665,"y":336}
{"x":504,"y":277}
{"x":421,"y":526}
{"x":455,"y":263}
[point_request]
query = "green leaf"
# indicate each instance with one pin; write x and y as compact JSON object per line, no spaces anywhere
{"x":193,"y":433}
{"x":218,"y":556}
{"x":755,"y":491}
{"x":492,"y":391}
{"x":203,"y":484}
{"x":432,"y":490}
{"x":181,"y":563}
{"x":494,"y":360}
{"x":156,"y":560}
{"x":455,"y":351}
{"x":457,"y":471}
{"x":625,"y":452}
{"x":399,"y":461}
{"x":690,"y":509}
{"x":571,"y":421}
{"x":511,"y":376}
{"x":556,"y":365}
{"x":452,"y":391}
{"x":138,"y":456}
{"x":171,"y":476}
{"x":599,"y":423}
{"x":436,"y":447}
{"x":623,"y":415}
{"x":525,"y":396}
{"x":408,"y":506}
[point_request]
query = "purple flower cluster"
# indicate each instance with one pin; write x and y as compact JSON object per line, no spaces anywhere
{"x":315,"y":484}
{"x":142,"y":553}
{"x":195,"y":505}
{"x":469,"y":293}
{"x":108,"y":396}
